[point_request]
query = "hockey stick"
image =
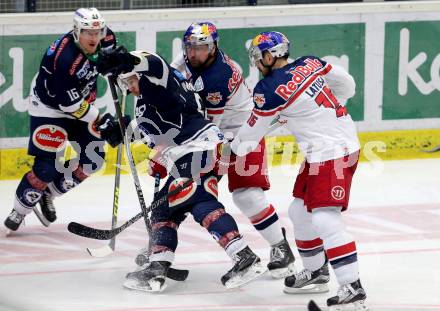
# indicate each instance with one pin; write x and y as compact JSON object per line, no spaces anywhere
{"x":175,"y":274}
{"x":110,"y":248}
{"x":100,"y":234}
{"x":143,"y":257}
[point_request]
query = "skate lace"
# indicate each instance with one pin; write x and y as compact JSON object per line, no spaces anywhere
{"x":16,"y":217}
{"x":345,"y":291}
{"x":305,"y":274}
{"x":48,"y":201}
{"x":276,"y":254}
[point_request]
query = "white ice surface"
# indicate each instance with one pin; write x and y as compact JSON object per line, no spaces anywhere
{"x":394,"y":215}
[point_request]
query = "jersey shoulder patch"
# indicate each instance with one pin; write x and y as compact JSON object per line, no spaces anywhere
{"x":263,"y":96}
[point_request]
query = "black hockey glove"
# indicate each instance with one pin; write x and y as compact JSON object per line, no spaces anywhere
{"x":116,"y":61}
{"x":108,"y":126}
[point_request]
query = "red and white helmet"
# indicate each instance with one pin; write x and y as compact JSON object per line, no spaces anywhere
{"x":88,"y":18}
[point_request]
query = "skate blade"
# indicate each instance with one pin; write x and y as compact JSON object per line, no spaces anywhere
{"x":41,"y":217}
{"x":309,"y":289}
{"x":355,"y":306}
{"x":8,"y":232}
{"x":283,"y":272}
{"x":151,"y":287}
{"x":253,"y":272}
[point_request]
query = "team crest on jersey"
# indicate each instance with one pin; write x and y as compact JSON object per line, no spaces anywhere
{"x":214,"y":98}
{"x":338,"y":193}
{"x":259,"y":99}
{"x":184,"y":194}
{"x":32,"y":196}
{"x":49,"y":138}
{"x":211,"y":186}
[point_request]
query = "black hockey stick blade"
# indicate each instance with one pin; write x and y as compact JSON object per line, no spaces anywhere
{"x":99,"y":234}
{"x":177,"y":274}
{"x":89,"y":232}
{"x":312,"y":306}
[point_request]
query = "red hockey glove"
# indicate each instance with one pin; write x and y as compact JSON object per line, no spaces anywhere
{"x":154,"y":168}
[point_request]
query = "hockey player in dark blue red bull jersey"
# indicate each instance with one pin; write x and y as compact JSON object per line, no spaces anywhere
{"x":170,"y":119}
{"x":309,"y":96}
{"x":62,"y":110}
{"x":228,"y":102}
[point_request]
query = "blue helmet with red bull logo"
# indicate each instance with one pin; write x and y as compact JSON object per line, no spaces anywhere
{"x":274,"y":42}
{"x":201,"y":33}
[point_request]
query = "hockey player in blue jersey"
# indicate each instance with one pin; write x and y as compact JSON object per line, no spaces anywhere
{"x":170,"y":119}
{"x":309,"y":95}
{"x":228,"y":103}
{"x":62,"y":110}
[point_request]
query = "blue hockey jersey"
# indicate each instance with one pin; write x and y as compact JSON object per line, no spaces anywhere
{"x":66,"y":82}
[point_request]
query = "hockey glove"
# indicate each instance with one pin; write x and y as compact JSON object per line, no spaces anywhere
{"x":108,"y":126}
{"x":116,"y":61}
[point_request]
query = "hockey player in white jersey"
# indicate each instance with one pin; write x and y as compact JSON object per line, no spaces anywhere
{"x":228,"y":103}
{"x":308,"y":95}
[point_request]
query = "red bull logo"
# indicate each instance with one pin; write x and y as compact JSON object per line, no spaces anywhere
{"x":299,"y":75}
{"x":260,"y":39}
{"x":259,"y":99}
{"x":214,"y":98}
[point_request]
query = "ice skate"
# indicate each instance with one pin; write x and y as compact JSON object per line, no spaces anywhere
{"x":281,"y":259}
{"x":247,"y":267}
{"x":349,"y":297}
{"x":150,"y":279}
{"x":308,"y":282}
{"x":13,"y":221}
{"x":46,"y":214}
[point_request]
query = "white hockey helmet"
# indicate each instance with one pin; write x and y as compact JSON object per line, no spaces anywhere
{"x":88,"y":18}
{"x":143,"y":65}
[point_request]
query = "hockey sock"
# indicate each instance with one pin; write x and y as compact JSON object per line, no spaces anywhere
{"x":253,"y":204}
{"x":64,"y":183}
{"x":309,"y":245}
{"x":338,"y":243}
{"x":223,"y":228}
{"x":28,"y":193}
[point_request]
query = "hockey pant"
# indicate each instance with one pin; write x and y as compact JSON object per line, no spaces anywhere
{"x":47,"y":142}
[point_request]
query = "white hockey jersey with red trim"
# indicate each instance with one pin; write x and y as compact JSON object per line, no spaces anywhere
{"x":226,"y":97}
{"x":309,"y":96}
